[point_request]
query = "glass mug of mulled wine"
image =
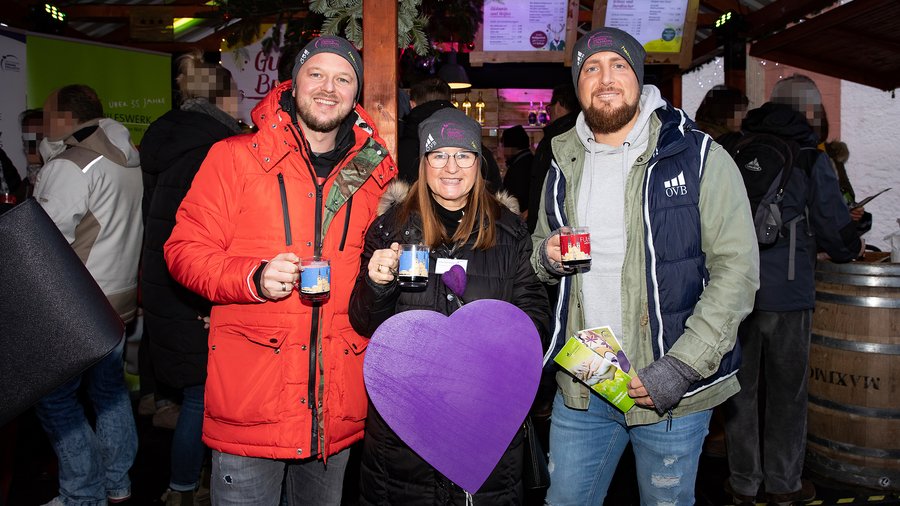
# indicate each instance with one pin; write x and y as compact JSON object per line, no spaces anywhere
{"x":575,"y":247}
{"x":413,"y":269}
{"x":315,"y":279}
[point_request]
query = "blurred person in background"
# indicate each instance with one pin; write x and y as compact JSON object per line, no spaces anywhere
{"x":516,"y":147}
{"x":91,"y":188}
{"x":177,"y":319}
{"x":564,"y":109}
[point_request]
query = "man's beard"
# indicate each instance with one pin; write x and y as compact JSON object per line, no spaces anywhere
{"x":608,"y":120}
{"x":315,"y":124}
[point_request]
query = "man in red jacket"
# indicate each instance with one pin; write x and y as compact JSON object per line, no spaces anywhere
{"x":284,"y":394}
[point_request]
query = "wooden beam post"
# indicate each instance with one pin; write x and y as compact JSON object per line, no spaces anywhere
{"x":380,"y":72}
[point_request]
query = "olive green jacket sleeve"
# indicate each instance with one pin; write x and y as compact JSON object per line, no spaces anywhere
{"x":732,"y":258}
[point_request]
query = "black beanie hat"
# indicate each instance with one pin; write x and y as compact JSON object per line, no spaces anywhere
{"x":609,"y":39}
{"x":331,"y":44}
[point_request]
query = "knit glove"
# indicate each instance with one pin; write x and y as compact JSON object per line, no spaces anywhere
{"x":554,"y":268}
{"x":666,"y":381}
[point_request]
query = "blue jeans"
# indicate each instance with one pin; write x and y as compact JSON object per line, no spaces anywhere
{"x":188,"y":449}
{"x":585,"y":447}
{"x":238,"y":480}
{"x":93,"y":462}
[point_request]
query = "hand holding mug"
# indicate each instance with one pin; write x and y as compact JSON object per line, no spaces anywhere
{"x":279,"y":276}
{"x":383,"y":264}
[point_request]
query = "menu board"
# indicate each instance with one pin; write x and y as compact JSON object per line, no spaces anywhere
{"x":515,"y":25}
{"x":657,"y":24}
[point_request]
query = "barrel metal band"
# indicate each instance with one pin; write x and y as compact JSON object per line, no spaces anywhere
{"x":862,"y":268}
{"x":861,"y":347}
{"x":855,"y":300}
{"x":858,"y":279}
{"x":869,"y":476}
{"x":884,"y":413}
{"x":854,"y":449}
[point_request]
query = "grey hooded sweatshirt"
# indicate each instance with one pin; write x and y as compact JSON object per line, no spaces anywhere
{"x":601,"y":206}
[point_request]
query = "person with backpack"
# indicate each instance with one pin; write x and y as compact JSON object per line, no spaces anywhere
{"x":797,"y":207}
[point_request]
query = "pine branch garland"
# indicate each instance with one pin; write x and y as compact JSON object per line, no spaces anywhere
{"x":348,"y":14}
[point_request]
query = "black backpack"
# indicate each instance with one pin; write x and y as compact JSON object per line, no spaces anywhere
{"x":766,"y":162}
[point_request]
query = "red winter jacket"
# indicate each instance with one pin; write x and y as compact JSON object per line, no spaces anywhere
{"x":252,"y":193}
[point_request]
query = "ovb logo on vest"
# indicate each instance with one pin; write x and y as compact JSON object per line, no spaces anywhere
{"x":676,"y":186}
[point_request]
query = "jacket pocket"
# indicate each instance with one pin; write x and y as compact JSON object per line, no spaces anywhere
{"x":245,"y":374}
{"x":348,"y":369}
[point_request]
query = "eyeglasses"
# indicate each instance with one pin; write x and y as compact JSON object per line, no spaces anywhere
{"x":439,"y":159}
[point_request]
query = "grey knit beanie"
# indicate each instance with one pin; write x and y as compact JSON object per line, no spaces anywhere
{"x":609,"y":39}
{"x":331,"y":44}
{"x":449,"y":127}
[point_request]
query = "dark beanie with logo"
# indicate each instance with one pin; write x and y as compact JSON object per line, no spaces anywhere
{"x":449,"y":128}
{"x":331,"y":44}
{"x":609,"y":39}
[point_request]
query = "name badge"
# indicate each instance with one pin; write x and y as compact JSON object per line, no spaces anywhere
{"x":444,"y":264}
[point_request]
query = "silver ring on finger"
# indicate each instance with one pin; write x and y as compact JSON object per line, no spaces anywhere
{"x":283,"y":287}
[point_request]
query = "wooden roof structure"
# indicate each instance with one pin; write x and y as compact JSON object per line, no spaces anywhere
{"x":856,"y":40}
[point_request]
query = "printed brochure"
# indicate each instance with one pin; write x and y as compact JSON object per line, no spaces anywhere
{"x":595,"y":357}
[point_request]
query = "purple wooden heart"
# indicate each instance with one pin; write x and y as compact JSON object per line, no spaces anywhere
{"x":456,"y":389}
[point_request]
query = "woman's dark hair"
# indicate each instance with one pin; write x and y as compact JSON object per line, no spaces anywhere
{"x":719,"y":105}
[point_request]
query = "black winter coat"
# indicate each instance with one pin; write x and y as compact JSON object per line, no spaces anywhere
{"x":391,"y":473}
{"x":517,"y":181}
{"x":171,"y":153}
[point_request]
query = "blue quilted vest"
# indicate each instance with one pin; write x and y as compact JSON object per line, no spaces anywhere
{"x":675,"y":262}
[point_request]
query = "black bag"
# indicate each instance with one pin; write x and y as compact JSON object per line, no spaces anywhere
{"x":55,"y":321}
{"x":765,"y":162}
{"x":536,"y":475}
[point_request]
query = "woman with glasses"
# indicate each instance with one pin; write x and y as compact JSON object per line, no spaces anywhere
{"x":449,"y":210}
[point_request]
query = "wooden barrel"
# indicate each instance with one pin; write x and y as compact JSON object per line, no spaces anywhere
{"x":854,"y":376}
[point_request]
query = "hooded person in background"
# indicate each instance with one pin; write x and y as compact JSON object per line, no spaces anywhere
{"x":284,"y":394}
{"x":775,"y":337}
{"x":90,"y":186}
{"x":674,"y":268}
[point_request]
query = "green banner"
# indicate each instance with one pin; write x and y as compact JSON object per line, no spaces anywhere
{"x":135,"y":86}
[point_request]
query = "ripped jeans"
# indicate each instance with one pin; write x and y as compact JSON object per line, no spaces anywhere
{"x":585,"y":447}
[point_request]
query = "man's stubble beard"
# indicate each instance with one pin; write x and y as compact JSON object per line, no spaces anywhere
{"x":607,"y":120}
{"x":316,"y":125}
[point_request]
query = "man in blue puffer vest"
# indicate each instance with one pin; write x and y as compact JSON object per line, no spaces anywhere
{"x":675,"y":266}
